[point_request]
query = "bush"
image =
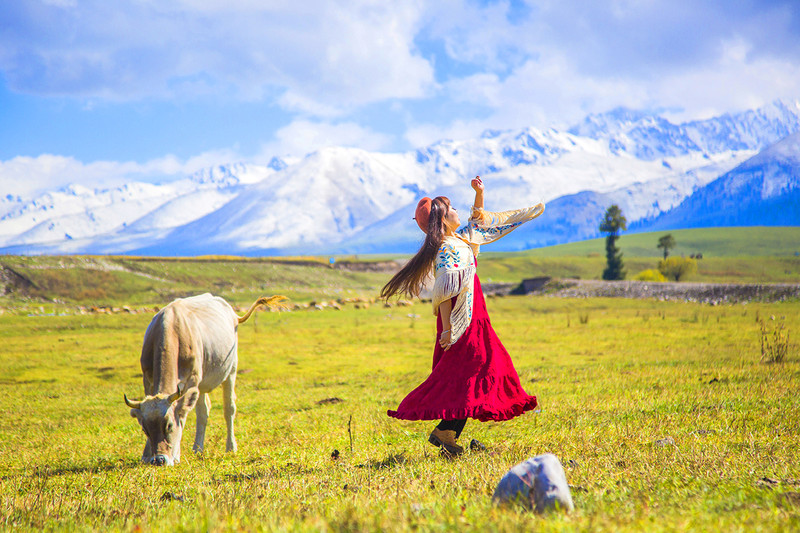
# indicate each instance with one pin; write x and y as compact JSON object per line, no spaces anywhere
{"x":650,"y":275}
{"x":678,"y":268}
{"x":775,"y":343}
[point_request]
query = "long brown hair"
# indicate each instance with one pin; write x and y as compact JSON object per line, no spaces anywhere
{"x":411,"y":277}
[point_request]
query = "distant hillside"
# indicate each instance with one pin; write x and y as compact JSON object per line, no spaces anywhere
{"x":711,"y":242}
{"x":137,"y":281}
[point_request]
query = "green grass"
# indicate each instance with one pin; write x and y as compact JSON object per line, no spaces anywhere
{"x":136,"y":281}
{"x":711,"y":242}
{"x":731,"y":255}
{"x":612,"y":377}
{"x":514,"y":267}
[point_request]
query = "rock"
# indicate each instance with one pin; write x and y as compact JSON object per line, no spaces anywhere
{"x":768,"y":482}
{"x":663,"y":443}
{"x":538,"y":483}
{"x":477,"y":446}
{"x":327,"y":401}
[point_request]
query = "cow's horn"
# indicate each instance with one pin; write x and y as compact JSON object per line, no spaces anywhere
{"x":135,"y":404}
{"x":175,"y":396}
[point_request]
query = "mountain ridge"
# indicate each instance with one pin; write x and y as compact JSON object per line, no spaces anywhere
{"x":347,"y":200}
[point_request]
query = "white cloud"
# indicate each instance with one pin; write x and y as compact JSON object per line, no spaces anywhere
{"x":451,"y":68}
{"x":25,"y":176}
{"x":733,"y":84}
{"x":544,"y":93}
{"x":553,"y":87}
{"x":321,"y":54}
{"x":303,"y":136}
{"x":425,"y":134}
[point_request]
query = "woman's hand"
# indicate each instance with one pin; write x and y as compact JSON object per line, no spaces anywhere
{"x":444,"y":340}
{"x":477,"y":184}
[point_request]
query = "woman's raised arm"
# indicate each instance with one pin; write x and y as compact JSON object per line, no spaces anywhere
{"x":477,"y":185}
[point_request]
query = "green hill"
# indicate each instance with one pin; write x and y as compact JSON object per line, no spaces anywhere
{"x":711,"y":242}
{"x":730,"y":255}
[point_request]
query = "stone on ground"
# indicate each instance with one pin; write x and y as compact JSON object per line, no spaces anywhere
{"x":538,"y":483}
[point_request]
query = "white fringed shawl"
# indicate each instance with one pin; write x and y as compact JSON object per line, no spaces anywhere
{"x":455,"y":263}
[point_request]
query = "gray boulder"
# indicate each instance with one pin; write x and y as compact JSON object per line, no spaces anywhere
{"x":538,"y":483}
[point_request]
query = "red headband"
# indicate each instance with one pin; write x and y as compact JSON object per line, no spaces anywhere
{"x":423,"y":213}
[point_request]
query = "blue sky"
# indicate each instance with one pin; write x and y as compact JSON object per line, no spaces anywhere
{"x":98,"y":92}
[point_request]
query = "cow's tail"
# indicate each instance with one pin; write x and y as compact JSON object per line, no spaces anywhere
{"x":272,"y":301}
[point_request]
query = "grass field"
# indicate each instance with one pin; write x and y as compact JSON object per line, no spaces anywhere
{"x":757,"y":255}
{"x":614,"y":378}
{"x":730,"y":255}
{"x":711,"y":242}
{"x":137,"y":281}
{"x":663,"y":413}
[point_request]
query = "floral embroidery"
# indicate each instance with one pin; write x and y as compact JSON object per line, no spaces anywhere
{"x":455,"y":271}
{"x":448,"y":257}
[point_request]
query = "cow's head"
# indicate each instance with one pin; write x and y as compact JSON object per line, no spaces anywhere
{"x":162,"y":418}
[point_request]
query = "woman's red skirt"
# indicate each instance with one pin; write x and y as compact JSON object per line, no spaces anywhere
{"x":475,"y":378}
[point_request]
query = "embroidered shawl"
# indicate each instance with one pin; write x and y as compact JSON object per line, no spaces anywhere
{"x":455,"y":262}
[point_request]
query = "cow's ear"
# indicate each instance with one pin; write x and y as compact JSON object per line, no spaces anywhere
{"x":136,"y":413}
{"x":186,"y":403}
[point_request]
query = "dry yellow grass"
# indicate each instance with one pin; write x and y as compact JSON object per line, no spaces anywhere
{"x":661,"y":412}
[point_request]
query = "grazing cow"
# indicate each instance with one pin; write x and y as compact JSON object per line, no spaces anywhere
{"x":190,"y":348}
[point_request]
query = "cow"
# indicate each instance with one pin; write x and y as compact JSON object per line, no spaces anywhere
{"x":189,"y":349}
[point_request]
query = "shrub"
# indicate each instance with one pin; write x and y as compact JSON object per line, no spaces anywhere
{"x":678,"y":268}
{"x":775,"y":343}
{"x":650,"y":275}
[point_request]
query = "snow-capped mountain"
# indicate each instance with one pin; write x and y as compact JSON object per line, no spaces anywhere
{"x":651,"y":137}
{"x":72,"y":217}
{"x":764,"y":191}
{"x":353,"y":201}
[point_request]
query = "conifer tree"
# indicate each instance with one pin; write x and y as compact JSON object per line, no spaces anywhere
{"x":613,"y":222}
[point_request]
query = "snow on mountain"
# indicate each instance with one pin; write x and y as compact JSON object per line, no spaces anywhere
{"x":567,"y":218}
{"x":77,"y":212}
{"x":329,"y":194}
{"x":648,"y":136}
{"x":764,"y":191}
{"x":349,"y":200}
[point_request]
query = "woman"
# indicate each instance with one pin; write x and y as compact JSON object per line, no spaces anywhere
{"x":472,"y":376}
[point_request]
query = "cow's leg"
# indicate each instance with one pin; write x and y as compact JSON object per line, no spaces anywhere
{"x":203,"y":409}
{"x":229,"y":398}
